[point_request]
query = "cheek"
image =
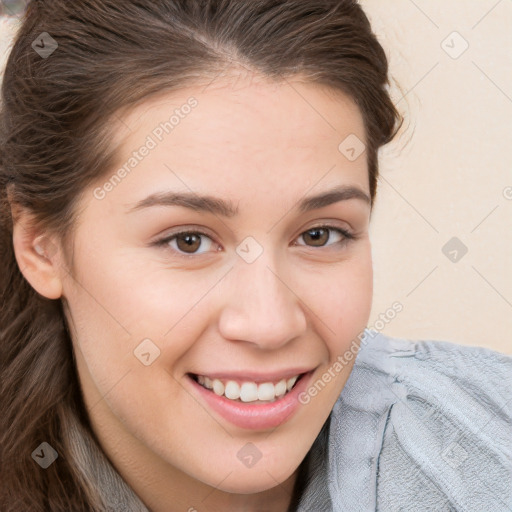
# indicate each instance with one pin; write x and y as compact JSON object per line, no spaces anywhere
{"x":127,"y":299}
{"x":342,"y":299}
{"x":343,"y":309}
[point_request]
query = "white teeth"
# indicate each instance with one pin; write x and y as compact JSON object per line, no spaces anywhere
{"x":266,"y":391}
{"x":232,"y":390}
{"x":218,"y":387}
{"x":248,"y":391}
{"x":281,"y":387}
{"x":290,"y":383}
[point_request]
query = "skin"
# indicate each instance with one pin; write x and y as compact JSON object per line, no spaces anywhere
{"x":263,"y":146}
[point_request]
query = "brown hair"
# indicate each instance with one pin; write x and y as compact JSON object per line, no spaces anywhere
{"x":54,"y":142}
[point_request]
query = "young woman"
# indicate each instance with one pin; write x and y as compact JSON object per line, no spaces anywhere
{"x":186,"y":189}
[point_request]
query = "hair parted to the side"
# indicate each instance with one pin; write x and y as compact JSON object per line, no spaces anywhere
{"x":54,"y":142}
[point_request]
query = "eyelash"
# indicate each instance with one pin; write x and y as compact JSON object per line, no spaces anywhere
{"x":163,"y":243}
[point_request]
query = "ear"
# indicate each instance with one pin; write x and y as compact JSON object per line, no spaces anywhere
{"x":37,"y":255}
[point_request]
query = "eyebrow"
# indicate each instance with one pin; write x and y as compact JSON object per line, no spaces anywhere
{"x":219,"y":206}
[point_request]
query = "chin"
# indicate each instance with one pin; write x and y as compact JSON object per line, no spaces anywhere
{"x":250,"y":484}
{"x":254,"y":480}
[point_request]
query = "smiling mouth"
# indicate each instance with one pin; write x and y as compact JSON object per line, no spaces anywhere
{"x":248,"y":391}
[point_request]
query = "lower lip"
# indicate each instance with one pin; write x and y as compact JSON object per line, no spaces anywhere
{"x":255,"y":416}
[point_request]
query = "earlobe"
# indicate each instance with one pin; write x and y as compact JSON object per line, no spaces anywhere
{"x":38,"y":260}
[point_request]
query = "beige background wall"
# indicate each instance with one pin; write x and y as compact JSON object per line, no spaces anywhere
{"x":448,"y":174}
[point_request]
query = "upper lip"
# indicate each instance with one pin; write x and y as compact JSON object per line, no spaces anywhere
{"x":251,"y":375}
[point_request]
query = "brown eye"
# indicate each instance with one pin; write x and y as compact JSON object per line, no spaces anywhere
{"x":321,"y":236}
{"x":317,"y":236}
{"x":188,"y":242}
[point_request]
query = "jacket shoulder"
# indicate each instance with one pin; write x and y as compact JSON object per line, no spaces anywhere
{"x":433,"y":422}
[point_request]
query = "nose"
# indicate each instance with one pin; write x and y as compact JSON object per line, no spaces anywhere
{"x":260,"y":307}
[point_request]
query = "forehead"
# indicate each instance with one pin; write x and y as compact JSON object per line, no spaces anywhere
{"x":245,"y":134}
{"x":239,"y":105}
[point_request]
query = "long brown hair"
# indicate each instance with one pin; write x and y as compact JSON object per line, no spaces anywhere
{"x":55,"y":115}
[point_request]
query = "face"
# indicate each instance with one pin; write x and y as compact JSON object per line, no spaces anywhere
{"x":254,"y":284}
